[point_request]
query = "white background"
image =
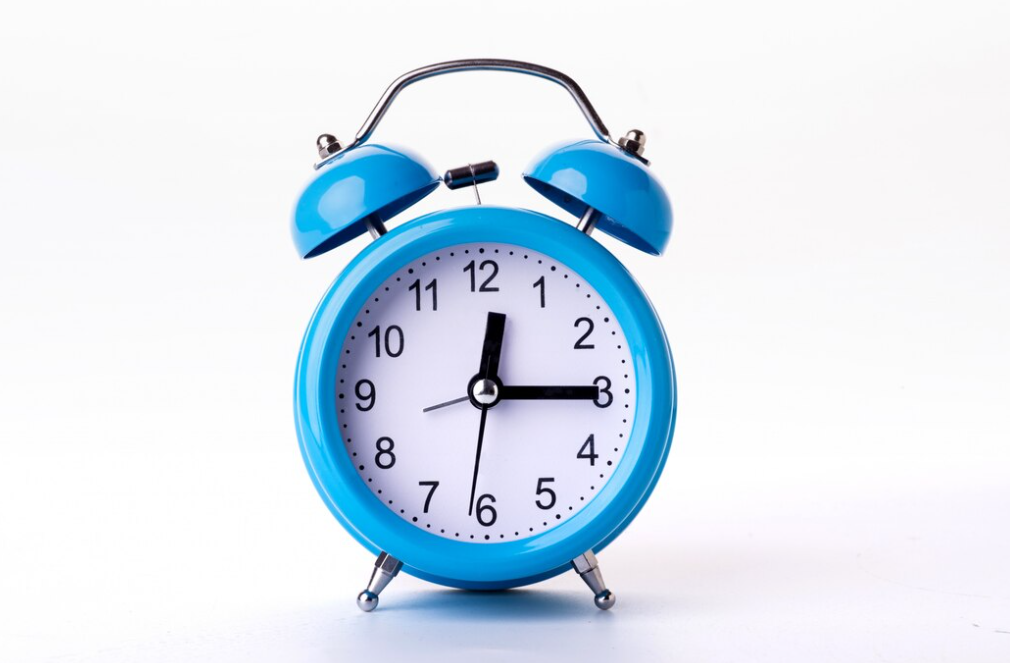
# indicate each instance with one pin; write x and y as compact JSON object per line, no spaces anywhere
{"x":836,"y":294}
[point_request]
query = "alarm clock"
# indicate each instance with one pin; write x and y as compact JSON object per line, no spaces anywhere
{"x":484,"y":397}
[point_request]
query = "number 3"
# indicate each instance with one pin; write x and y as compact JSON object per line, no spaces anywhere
{"x":604,"y":389}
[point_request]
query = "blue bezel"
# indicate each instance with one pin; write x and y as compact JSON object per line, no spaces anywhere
{"x":479,"y":565}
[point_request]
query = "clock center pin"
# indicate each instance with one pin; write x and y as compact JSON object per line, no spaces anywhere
{"x":484,"y":393}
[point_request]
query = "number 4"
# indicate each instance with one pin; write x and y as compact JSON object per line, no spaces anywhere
{"x":589,"y":444}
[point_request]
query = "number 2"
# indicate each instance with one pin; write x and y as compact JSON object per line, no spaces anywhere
{"x":579,"y":344}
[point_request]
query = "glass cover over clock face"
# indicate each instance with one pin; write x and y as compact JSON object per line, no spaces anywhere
{"x":485,"y":393}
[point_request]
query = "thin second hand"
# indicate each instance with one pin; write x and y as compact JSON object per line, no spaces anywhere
{"x":476,"y":464}
{"x":446,"y":404}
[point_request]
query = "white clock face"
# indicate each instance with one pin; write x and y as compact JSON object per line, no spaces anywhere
{"x":485,"y":393}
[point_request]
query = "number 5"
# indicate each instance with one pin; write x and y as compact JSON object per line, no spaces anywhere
{"x":546,"y":491}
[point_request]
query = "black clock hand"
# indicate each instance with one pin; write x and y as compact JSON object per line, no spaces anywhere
{"x":494,"y":332}
{"x":491,"y":352}
{"x":489,"y":358}
{"x":567,"y":393}
{"x":476,"y":462}
{"x":530,"y":393}
{"x":533,"y":393}
{"x":446,"y":404}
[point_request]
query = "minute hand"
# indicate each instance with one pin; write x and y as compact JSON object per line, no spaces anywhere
{"x":564,"y":393}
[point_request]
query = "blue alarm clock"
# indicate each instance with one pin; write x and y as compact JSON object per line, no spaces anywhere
{"x":484,"y":397}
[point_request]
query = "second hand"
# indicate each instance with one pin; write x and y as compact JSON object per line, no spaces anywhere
{"x":476,"y":465}
{"x":446,"y":404}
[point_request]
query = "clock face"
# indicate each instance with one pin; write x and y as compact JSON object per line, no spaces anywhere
{"x":485,"y":393}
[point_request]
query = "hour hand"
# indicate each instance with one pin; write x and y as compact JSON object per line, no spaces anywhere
{"x":490,"y":355}
{"x":564,"y":393}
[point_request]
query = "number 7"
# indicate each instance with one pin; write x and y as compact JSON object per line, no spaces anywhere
{"x":427,"y":501}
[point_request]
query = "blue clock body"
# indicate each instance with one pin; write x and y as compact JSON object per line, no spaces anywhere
{"x":366,"y":518}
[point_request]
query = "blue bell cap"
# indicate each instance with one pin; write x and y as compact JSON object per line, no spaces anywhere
{"x":367,"y":181}
{"x":633,"y":205}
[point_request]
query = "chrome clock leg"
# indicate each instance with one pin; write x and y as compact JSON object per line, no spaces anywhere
{"x":589,"y":570}
{"x":386,"y":568}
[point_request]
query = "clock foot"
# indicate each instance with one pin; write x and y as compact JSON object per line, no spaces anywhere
{"x":589,"y":570}
{"x":386,"y":568}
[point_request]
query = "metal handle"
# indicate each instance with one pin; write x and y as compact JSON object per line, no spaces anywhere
{"x":481,"y":64}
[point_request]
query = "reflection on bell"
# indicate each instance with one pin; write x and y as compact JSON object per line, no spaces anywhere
{"x":355,"y":192}
{"x":632,"y":203}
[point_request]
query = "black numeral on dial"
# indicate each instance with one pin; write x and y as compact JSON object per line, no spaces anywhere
{"x":588,"y":450}
{"x":539,"y":283}
{"x":391,"y":341}
{"x":581,"y":343}
{"x":432,"y":485}
{"x":365,"y":391}
{"x":551,"y":495}
{"x":603,"y":383}
{"x":486,"y":285}
{"x":486,"y":515}
{"x":384,"y":456}
{"x":416,"y":287}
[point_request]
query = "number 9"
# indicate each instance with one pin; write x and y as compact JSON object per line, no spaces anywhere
{"x":365,"y":391}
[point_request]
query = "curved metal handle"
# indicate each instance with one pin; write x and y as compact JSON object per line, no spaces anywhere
{"x":480,"y":64}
